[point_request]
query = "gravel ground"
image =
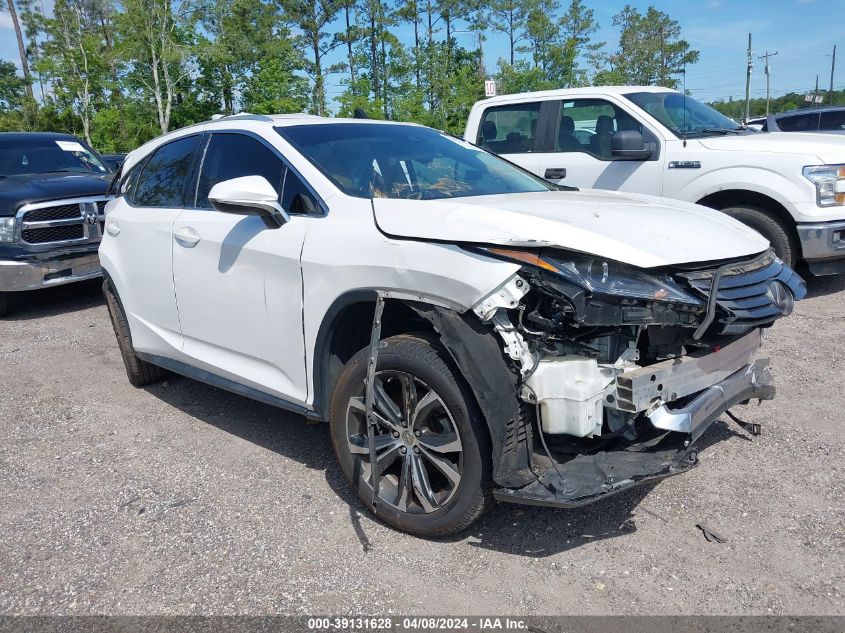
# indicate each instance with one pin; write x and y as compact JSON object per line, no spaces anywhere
{"x":183,"y":499}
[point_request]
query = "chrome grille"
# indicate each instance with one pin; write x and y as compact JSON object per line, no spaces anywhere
{"x":75,"y":221}
{"x":744,"y":291}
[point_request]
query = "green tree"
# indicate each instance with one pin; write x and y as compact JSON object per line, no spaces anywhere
{"x":651,"y":51}
{"x":11,"y":87}
{"x":577,"y":26}
{"x":73,"y":57}
{"x":275,"y":87}
{"x":312,"y":18}
{"x":156,"y":40}
{"x":511,"y":18}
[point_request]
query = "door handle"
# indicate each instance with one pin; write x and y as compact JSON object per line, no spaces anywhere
{"x":113,"y":229}
{"x":555,"y":173}
{"x":186,"y":236}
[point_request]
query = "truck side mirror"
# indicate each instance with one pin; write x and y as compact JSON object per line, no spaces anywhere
{"x":629,"y":145}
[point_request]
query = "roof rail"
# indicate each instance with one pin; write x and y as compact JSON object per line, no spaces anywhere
{"x":248,"y":116}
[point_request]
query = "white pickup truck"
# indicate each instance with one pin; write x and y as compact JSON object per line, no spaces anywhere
{"x":650,"y":140}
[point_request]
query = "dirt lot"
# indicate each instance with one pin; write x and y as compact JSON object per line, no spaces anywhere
{"x":184,"y":499}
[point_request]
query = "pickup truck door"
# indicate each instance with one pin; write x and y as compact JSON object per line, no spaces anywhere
{"x":576,"y":148}
{"x":238,"y":283}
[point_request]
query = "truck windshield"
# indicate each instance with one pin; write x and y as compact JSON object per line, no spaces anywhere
{"x":27,"y":155}
{"x":685,"y":116}
{"x":374,"y":160}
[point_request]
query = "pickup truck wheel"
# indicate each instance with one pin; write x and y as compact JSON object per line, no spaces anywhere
{"x":769,"y":227}
{"x":433,"y":447}
{"x":139,"y":372}
{"x":4,"y":304}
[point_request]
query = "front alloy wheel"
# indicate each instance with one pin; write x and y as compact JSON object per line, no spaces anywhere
{"x":420,"y":456}
{"x":432,"y":446}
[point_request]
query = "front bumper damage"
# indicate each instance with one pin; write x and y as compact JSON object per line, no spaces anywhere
{"x":586,"y":478}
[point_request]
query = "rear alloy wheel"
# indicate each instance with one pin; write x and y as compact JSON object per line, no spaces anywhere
{"x":433,"y":477}
{"x":139,"y":372}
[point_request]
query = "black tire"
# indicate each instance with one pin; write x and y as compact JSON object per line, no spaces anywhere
{"x":4,"y":304}
{"x":770,"y":227}
{"x":138,"y":371}
{"x":417,"y":360}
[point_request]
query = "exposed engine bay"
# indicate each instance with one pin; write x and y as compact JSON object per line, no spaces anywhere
{"x":583,"y":338}
{"x":617,"y":359}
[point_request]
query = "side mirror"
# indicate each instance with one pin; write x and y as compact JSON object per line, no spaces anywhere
{"x":249,"y":195}
{"x":629,"y":145}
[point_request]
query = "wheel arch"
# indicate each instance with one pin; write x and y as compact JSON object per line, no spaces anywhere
{"x":345,"y":330}
{"x":726,"y":198}
{"x":472,"y":348}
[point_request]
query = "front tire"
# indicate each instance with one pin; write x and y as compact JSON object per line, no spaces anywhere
{"x":433,"y":447}
{"x":769,"y":227}
{"x":139,"y":372}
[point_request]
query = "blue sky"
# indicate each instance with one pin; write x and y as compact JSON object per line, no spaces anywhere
{"x":802,"y":31}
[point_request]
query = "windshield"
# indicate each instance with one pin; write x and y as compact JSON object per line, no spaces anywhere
{"x":372,"y":160}
{"x":27,"y":155}
{"x":684,"y":116}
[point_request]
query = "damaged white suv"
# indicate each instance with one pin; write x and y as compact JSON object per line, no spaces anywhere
{"x":469,"y":330}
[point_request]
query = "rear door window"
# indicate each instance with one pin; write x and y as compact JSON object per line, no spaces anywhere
{"x":799,"y":122}
{"x":509,"y":129}
{"x":834,"y":120}
{"x":164,"y":178}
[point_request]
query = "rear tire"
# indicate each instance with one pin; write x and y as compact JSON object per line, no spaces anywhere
{"x":435,"y":456}
{"x":769,"y":227}
{"x":139,"y":372}
{"x":4,"y":304}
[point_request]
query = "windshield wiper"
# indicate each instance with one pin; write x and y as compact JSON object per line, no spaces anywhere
{"x":723,"y":130}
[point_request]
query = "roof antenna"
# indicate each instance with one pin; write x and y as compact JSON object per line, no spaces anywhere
{"x":360,"y":114}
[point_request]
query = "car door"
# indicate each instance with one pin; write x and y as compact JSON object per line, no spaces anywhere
{"x":576,"y":150}
{"x":137,"y":244}
{"x":239,"y":284}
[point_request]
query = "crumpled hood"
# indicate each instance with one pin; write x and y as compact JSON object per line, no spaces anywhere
{"x":18,"y":190}
{"x":830,"y":148}
{"x":643,"y":231}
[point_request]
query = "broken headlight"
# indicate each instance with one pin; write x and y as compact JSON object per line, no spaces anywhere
{"x":603,"y":277}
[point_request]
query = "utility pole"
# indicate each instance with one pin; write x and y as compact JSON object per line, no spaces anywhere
{"x":832,"y":66}
{"x":748,"y":82}
{"x":766,"y":56}
{"x":662,"y":58}
{"x":815,"y":93}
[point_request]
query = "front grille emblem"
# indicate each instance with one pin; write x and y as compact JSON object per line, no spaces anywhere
{"x":89,"y":213}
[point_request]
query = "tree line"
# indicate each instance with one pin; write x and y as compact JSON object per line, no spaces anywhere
{"x":735,"y":108}
{"x":119,"y":72}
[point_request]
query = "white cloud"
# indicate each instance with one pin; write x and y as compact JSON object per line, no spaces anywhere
{"x":714,"y":4}
{"x":6,"y":21}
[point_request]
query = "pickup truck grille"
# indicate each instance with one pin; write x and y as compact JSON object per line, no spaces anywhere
{"x":745,"y":293}
{"x":63,"y":222}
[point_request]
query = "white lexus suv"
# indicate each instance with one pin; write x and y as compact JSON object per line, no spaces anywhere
{"x":470,"y":331}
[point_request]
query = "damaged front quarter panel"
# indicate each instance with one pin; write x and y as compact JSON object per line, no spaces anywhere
{"x":619,"y":386}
